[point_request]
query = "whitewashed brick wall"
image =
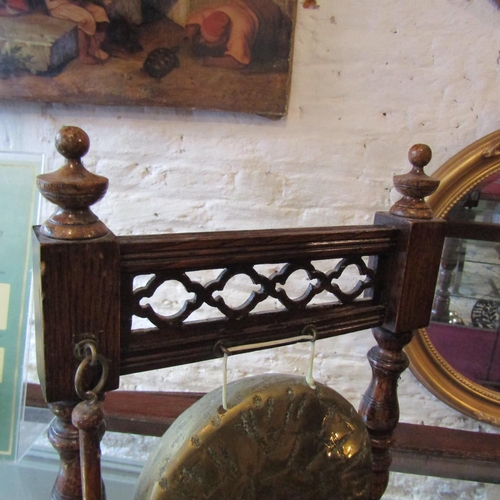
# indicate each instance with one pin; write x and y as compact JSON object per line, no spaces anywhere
{"x":370,"y":78}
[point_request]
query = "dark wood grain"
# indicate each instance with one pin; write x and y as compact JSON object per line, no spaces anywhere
{"x":141,"y":254}
{"x":447,"y":453}
{"x":79,"y":297}
{"x":379,"y":406}
{"x":176,"y":343}
{"x":471,"y":230}
{"x":88,"y":418}
{"x":63,"y":436}
{"x":146,"y":350}
{"x":76,"y":275}
{"x":410,"y":272}
{"x":415,"y":186}
{"x":409,"y":277}
{"x":74,"y":190}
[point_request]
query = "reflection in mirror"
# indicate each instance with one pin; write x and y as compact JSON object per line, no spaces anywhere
{"x":465,"y":325}
{"x":457,"y":357}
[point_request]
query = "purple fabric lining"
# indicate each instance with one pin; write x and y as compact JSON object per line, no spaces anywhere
{"x":468,"y":350}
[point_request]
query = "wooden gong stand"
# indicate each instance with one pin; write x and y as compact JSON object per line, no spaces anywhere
{"x":85,"y":278}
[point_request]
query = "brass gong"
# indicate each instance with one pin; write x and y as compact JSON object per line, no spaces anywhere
{"x":279,"y":439}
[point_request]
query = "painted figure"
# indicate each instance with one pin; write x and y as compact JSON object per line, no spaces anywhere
{"x":233,"y":34}
{"x":92,"y":22}
{"x":13,"y":7}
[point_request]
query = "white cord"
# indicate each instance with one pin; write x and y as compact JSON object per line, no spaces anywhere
{"x":309,"y":376}
{"x":224,"y":383}
{"x":272,"y":343}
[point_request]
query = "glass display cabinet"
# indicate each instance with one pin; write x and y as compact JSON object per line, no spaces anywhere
{"x":465,"y":318}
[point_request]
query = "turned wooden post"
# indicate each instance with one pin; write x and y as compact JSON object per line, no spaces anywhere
{"x":408,"y":278}
{"x":63,"y":436}
{"x":77,"y":271}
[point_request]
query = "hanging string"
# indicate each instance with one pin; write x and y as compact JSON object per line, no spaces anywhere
{"x":309,"y":376}
{"x":224,"y":383}
{"x":308,"y":333}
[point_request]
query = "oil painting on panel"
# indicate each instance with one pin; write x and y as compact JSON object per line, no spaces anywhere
{"x":232,"y":55}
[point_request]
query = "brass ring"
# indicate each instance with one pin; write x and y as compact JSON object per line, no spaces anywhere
{"x":88,"y":395}
{"x":82,"y":346}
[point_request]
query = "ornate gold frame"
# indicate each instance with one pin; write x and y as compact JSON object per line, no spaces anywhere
{"x":458,"y":176}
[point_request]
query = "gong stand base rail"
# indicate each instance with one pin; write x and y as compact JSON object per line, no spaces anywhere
{"x":94,"y":286}
{"x":416,"y":448}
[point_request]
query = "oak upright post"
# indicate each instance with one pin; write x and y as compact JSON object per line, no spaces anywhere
{"x":409,"y":278}
{"x":75,"y":256}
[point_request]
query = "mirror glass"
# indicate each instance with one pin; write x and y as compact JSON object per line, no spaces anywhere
{"x":465,"y":326}
{"x":457,"y":357}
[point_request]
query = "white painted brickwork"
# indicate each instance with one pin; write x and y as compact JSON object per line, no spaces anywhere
{"x":370,"y":78}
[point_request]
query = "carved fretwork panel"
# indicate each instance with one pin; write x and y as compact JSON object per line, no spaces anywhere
{"x":273,"y":286}
{"x":171,"y":317}
{"x":182,"y":294}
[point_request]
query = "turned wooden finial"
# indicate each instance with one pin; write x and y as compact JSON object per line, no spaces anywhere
{"x":415,"y":186}
{"x":73,"y":189}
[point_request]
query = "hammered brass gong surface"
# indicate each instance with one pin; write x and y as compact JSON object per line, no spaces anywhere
{"x":279,"y":439}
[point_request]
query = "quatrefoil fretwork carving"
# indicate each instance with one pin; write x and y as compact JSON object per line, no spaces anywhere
{"x":144,"y":309}
{"x":249,"y":305}
{"x":273,"y":286}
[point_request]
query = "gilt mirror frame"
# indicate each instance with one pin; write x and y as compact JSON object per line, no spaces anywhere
{"x":458,"y":176}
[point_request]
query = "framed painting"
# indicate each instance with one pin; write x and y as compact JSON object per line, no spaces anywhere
{"x":231,"y":55}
